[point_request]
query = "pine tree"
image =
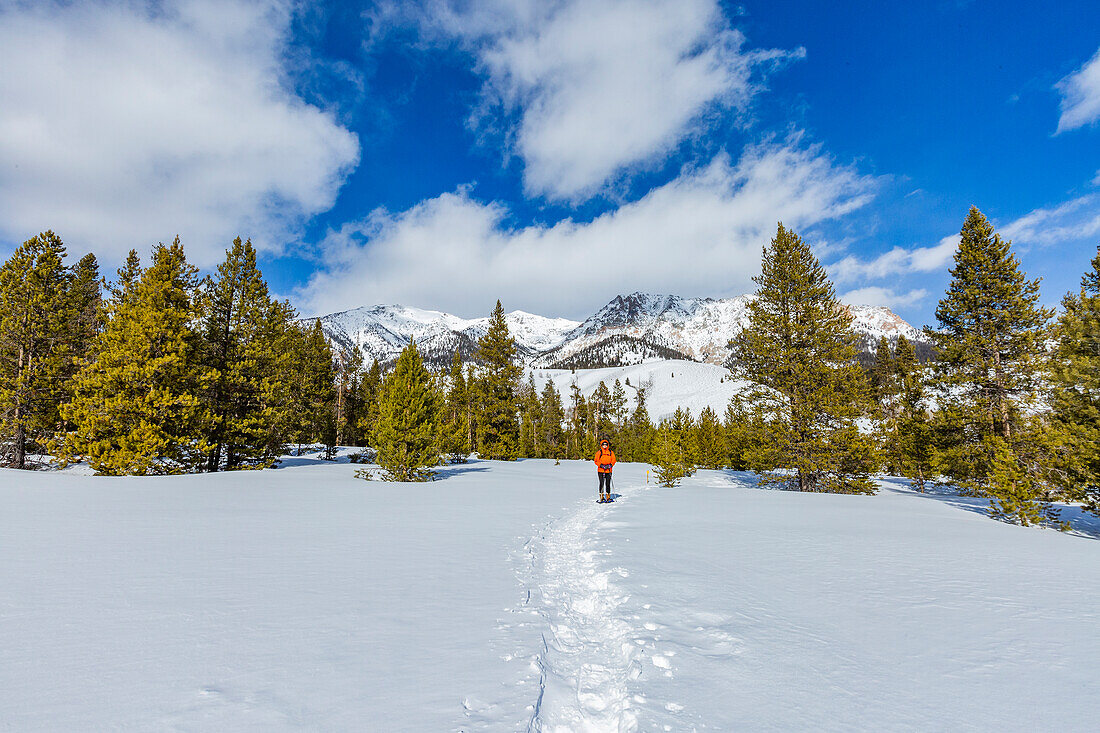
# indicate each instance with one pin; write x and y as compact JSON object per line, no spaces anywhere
{"x":990,"y":360}
{"x":737,"y":432}
{"x":886,"y":388}
{"x":35,"y":345}
{"x":684,"y":425}
{"x":912,"y":446}
{"x":616,"y":408}
{"x":138,"y":407}
{"x":498,"y":421}
{"x":575,"y":434}
{"x":406,"y":434}
{"x":671,"y":451}
{"x":640,"y":432}
{"x":475,"y":397}
{"x":603,"y":420}
{"x":128,"y":276}
{"x":240,"y":341}
{"x":370,"y":390}
{"x":799,"y":352}
{"x":709,"y":440}
{"x":455,"y":442}
{"x":530,"y":410}
{"x":1075,"y":392}
{"x":882,"y":371}
{"x":349,"y":369}
{"x":553,"y":434}
{"x":85,"y":314}
{"x":316,"y":387}
{"x":281,"y":401}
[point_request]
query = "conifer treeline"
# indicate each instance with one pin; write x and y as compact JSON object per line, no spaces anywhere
{"x":164,"y":372}
{"x":159,"y":371}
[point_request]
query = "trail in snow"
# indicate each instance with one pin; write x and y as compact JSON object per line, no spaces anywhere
{"x":589,"y":658}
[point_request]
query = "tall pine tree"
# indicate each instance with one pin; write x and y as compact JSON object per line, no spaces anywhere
{"x":454,"y":430}
{"x":35,"y":345}
{"x":315,"y":391}
{"x":1075,"y":392}
{"x":990,"y":361}
{"x":370,"y":390}
{"x":349,"y":371}
{"x":406,"y":434}
{"x":709,"y":440}
{"x":911,"y":446}
{"x":138,"y":406}
{"x":550,"y":422}
{"x":530,"y":417}
{"x":800,"y":353}
{"x":85,"y":307}
{"x":498,"y":421}
{"x":241,"y":346}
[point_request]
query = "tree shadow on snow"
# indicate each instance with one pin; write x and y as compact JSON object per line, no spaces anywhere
{"x":295,"y":461}
{"x":726,"y":477}
{"x":457,"y":469}
{"x":1078,"y":522}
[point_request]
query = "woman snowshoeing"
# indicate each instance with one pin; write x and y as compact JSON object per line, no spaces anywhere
{"x":605,"y":461}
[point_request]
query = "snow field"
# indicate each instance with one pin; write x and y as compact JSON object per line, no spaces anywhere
{"x":900,"y":612}
{"x":688,"y":384}
{"x":503,"y":598}
{"x":296,"y":598}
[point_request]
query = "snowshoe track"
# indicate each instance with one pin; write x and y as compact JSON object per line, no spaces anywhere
{"x":589,"y":658}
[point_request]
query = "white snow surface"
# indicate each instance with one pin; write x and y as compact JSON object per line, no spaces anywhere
{"x":503,"y":598}
{"x":673,"y":383}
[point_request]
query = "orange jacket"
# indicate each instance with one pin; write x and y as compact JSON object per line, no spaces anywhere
{"x":604,"y":457}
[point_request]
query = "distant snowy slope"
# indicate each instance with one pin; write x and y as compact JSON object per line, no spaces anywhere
{"x":631,"y":329}
{"x":875,"y":321}
{"x":672,"y":384}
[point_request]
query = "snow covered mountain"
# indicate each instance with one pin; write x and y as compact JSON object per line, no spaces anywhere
{"x":382,"y":331}
{"x":631,"y":329}
{"x":697,"y":328}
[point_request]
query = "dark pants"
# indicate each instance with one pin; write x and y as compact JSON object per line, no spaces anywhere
{"x":605,"y":482}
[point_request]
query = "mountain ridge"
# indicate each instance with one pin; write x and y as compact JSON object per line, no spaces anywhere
{"x":629,"y":329}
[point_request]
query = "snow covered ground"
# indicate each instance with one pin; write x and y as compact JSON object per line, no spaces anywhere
{"x":503,"y":598}
{"x":674,"y":384}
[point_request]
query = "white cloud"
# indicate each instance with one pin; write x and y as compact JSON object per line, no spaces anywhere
{"x":1080,"y":96}
{"x":897,"y":261}
{"x":874,"y":295}
{"x":1071,"y":221}
{"x":702,"y":233}
{"x":590,"y":89}
{"x":123,"y":124}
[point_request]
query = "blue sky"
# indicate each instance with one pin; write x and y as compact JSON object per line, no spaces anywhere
{"x":554,"y":154}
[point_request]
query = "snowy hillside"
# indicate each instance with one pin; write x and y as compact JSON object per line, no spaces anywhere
{"x":631,"y":329}
{"x":502,"y":598}
{"x":672,"y":384}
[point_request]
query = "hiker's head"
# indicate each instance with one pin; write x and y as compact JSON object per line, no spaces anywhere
{"x":605,"y":444}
